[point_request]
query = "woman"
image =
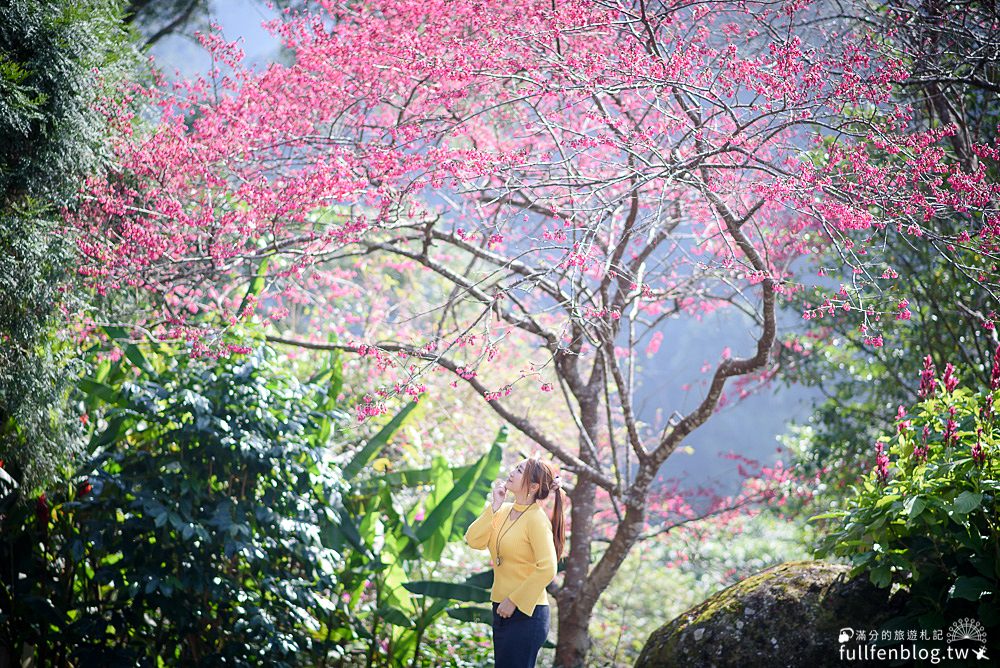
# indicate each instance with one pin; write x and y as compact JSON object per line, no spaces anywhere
{"x":525,"y":547}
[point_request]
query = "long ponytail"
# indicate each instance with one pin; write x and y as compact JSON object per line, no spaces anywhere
{"x":558,"y":523}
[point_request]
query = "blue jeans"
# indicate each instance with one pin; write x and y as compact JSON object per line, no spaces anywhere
{"x":517,"y":639}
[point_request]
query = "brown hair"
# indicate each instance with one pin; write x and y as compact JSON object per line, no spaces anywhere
{"x":542,"y":474}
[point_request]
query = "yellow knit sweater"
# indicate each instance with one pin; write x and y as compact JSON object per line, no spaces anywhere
{"x":527,"y":554}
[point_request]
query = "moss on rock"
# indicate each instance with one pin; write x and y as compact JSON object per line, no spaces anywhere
{"x":787,"y":615}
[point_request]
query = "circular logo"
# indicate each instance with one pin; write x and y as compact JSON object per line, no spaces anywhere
{"x":966,"y":629}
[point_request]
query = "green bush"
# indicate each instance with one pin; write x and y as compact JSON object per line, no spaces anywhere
{"x":57,"y":61}
{"x":194,"y":537}
{"x":926,"y":516}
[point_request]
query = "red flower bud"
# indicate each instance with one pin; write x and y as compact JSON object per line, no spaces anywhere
{"x":950,"y":382}
{"x":881,"y":463}
{"x":42,"y":510}
{"x":995,"y":373}
{"x":927,"y":379}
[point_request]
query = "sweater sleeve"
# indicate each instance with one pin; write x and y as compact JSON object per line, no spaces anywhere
{"x":478,"y":534}
{"x":526,"y":596}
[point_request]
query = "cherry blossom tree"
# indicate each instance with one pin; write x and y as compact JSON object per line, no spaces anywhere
{"x":950,"y":51}
{"x":574,"y":178}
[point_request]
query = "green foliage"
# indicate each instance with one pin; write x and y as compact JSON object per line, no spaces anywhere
{"x":212,"y":525}
{"x":948,"y":304}
{"x":51,"y":137}
{"x":863,"y":385}
{"x":927,"y":515}
{"x":50,"y":132}
{"x":194,"y":537}
{"x":391,"y":554}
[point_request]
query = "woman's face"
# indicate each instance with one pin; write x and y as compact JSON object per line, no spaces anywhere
{"x":515,"y":481}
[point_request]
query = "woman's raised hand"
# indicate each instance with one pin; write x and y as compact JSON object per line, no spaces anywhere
{"x":499,"y":494}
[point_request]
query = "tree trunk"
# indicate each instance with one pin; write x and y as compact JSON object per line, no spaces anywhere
{"x":575,"y":613}
{"x":573,"y":639}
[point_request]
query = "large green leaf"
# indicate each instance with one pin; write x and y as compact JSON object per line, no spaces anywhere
{"x":483,"y":580}
{"x":131,"y":350}
{"x":335,"y":534}
{"x":117,"y":333}
{"x":880,"y":577}
{"x":967,"y":501}
{"x":403,"y":647}
{"x":450,"y":590}
{"x":972,"y":588}
{"x":469,"y":510}
{"x":394,"y":616}
{"x":444,"y":484}
{"x":443,"y":480}
{"x":111,"y":434}
{"x":989,"y":612}
{"x":914,"y":506}
{"x":101,"y":391}
{"x":332,"y":373}
{"x":377,"y":442}
{"x":411,"y":478}
{"x":135,"y":356}
{"x":472,"y":614}
{"x":430,"y":614}
{"x":459,"y":507}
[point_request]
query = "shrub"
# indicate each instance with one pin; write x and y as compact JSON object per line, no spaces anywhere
{"x":58,"y":60}
{"x":192,"y":536}
{"x":926,"y":516}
